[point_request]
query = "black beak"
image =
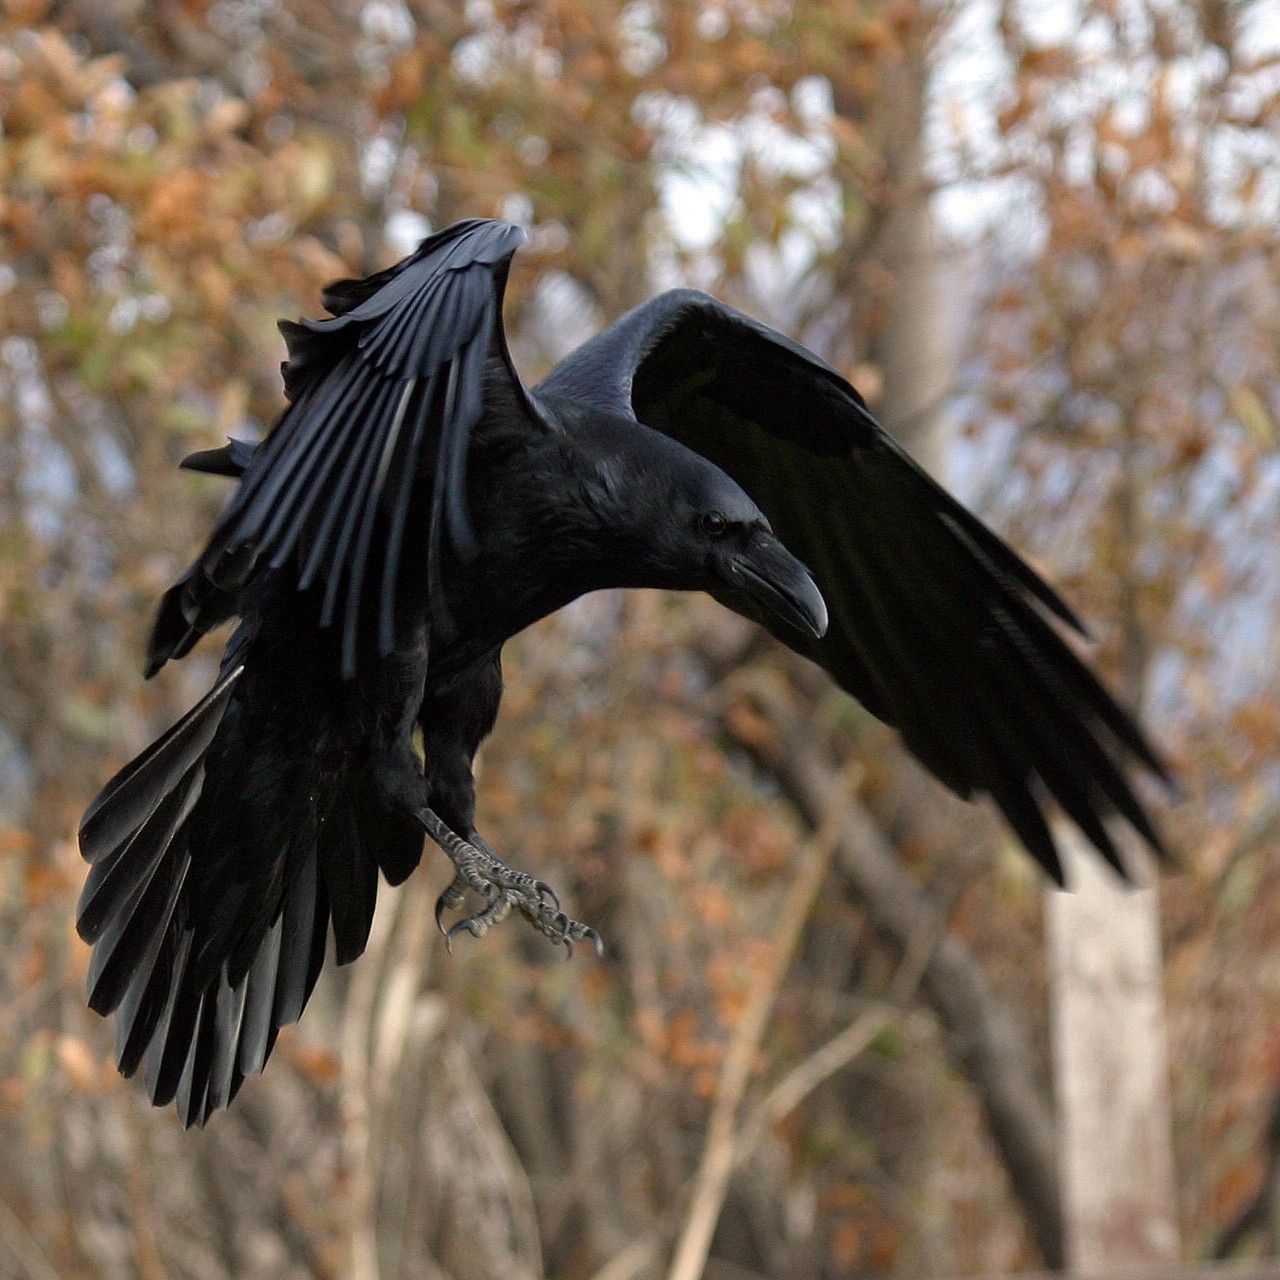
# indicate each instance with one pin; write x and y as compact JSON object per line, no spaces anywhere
{"x":777,"y":584}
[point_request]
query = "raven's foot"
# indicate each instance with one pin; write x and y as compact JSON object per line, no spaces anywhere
{"x":482,"y":871}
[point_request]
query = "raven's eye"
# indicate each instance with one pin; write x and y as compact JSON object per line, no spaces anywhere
{"x":714,"y":524}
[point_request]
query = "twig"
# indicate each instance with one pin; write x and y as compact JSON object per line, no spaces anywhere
{"x":711,"y":1182}
{"x":789,"y":1092}
{"x":1260,"y":1212}
{"x":24,"y":1246}
{"x":982,"y":1036}
{"x":355,"y":1092}
{"x":803,"y":1079}
{"x":633,"y":1261}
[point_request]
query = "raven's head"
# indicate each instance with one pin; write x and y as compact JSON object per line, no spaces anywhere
{"x":676,"y":520}
{"x":739,"y":561}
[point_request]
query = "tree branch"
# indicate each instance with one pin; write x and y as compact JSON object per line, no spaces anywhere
{"x":711,"y":1182}
{"x":1260,"y":1213}
{"x":981,"y":1033}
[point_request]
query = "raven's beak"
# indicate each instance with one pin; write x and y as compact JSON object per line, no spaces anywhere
{"x":777,"y":583}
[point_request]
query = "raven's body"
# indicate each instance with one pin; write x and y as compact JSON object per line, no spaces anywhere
{"x":225,"y":853}
{"x":330,"y":733}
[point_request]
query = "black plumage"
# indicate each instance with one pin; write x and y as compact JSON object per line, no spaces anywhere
{"x":414,"y":508}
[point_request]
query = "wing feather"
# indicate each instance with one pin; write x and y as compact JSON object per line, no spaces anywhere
{"x":399,"y":507}
{"x":356,"y":509}
{"x":290,"y":449}
{"x":385,"y":399}
{"x":469,"y":383}
{"x":311,"y":480}
{"x":928,"y":722}
{"x":997,"y":689}
{"x":340,"y":498}
{"x":368,"y":510}
{"x":982,"y":747}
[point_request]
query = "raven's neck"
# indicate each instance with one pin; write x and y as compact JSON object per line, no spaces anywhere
{"x":536,"y":553}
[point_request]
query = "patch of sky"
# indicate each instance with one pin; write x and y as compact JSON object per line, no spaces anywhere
{"x":387,"y":21}
{"x":16,"y":777}
{"x":405,"y":229}
{"x":377,"y":163}
{"x":113,"y":468}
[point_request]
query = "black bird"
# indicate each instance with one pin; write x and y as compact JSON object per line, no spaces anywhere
{"x":416,"y":506}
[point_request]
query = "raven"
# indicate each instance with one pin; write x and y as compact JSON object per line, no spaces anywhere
{"x":416,"y":506}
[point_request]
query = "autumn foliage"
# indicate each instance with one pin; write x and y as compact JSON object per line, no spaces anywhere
{"x":1050,"y":256}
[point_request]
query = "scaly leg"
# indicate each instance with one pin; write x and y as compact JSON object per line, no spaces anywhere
{"x":482,"y":871}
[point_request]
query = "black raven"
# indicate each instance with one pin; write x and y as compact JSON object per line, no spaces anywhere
{"x":416,"y":506}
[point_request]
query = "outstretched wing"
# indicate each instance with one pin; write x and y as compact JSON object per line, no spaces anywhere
{"x":384,"y":398}
{"x":937,"y":626}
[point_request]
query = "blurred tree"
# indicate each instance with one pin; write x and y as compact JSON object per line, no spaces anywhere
{"x":175,"y":176}
{"x":1135,"y":345}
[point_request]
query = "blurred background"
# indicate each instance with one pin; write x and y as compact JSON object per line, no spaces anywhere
{"x":1043,"y":238}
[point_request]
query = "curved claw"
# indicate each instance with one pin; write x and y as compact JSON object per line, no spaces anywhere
{"x":450,"y":897}
{"x":481,"y":871}
{"x":588,"y":934}
{"x":467,"y":925}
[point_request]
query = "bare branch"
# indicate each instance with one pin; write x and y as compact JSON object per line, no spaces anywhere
{"x":981,"y":1032}
{"x":718,"y":1155}
{"x":24,"y":1246}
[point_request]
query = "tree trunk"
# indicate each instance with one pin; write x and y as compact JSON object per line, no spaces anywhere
{"x":1110,"y":1069}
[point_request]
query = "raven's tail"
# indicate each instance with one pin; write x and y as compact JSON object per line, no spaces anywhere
{"x":137,"y":837}
{"x":205,"y":944}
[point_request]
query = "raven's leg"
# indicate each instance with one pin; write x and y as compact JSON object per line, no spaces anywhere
{"x":455,"y":719}
{"x":481,"y":869}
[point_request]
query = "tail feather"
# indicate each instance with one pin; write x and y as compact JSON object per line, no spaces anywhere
{"x":257,"y":1031}
{"x":130,"y":935}
{"x":229,"y":1029}
{"x":352,"y":911}
{"x":147,"y":993}
{"x":228,"y":1018}
{"x":216,"y":1030}
{"x":171,"y":1038}
{"x":206,"y":943}
{"x":116,"y":879}
{"x":125,"y":802}
{"x":294,"y":979}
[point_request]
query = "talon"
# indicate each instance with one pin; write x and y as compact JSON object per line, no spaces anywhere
{"x":482,"y":871}
{"x":449,"y":900}
{"x":470,"y":925}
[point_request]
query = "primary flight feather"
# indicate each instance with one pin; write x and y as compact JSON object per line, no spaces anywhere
{"x":416,"y":506}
